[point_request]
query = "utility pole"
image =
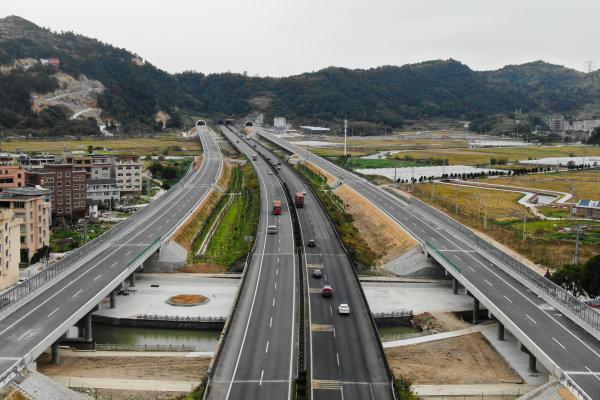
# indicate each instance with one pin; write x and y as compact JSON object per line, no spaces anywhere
{"x":345,"y":136}
{"x":524,"y":223}
{"x":589,"y":66}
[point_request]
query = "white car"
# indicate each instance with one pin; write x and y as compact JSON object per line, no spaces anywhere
{"x":344,"y":309}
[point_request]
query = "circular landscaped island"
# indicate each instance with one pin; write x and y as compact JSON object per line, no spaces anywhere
{"x":187,"y":300}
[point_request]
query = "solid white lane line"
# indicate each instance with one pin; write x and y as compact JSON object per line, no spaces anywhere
{"x":23,"y":335}
{"x":595,"y":374}
{"x":509,"y":300}
{"x":267,"y":348}
{"x":94,"y":280}
{"x":55,"y":310}
{"x":532,"y":320}
{"x":79,"y":291}
{"x":553,"y":338}
{"x":271,"y":322}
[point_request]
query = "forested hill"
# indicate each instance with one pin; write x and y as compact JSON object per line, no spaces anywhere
{"x":386,"y":95}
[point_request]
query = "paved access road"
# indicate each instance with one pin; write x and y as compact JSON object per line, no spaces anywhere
{"x":258,"y":360}
{"x":345,"y":359}
{"x":29,"y":330}
{"x":572,"y":349}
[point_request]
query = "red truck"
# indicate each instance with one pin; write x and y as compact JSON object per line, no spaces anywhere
{"x":276,"y":207}
{"x":299,"y":199}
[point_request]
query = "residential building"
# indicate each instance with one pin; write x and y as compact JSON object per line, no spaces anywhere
{"x":127,"y":170}
{"x":100,"y":167}
{"x":68,"y":187}
{"x":9,"y":248}
{"x":29,"y":206}
{"x":102,"y":191}
{"x":588,"y":209}
{"x":11,"y":176}
{"x":37,"y":161}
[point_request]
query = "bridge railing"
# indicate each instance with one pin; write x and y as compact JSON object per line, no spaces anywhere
{"x":77,"y":257}
{"x":581,"y":310}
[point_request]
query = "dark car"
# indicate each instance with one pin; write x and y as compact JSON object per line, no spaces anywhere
{"x":317,"y":273}
{"x":312,"y":243}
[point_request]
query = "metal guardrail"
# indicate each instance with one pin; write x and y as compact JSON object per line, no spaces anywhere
{"x":394,"y":314}
{"x":144,"y":347}
{"x":156,"y":317}
{"x":76,"y":258}
{"x":562,"y":296}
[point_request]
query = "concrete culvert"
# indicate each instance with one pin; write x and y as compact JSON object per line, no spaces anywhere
{"x":200,"y":122}
{"x":248,"y":123}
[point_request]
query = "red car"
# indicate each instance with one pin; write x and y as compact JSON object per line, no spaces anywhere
{"x":327,"y":291}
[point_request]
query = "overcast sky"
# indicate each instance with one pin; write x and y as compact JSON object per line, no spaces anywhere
{"x":286,"y":37}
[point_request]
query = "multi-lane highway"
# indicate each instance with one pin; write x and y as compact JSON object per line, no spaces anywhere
{"x":567,"y":350}
{"x":258,"y":358}
{"x":345,"y":360}
{"x":30,"y":329}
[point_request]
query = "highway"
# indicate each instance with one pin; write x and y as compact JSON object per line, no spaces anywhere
{"x":573,"y":353}
{"x":345,"y":359}
{"x":258,"y":358}
{"x":32,"y":328}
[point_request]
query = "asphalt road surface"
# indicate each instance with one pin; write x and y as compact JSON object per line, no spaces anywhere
{"x":575,"y":351}
{"x":258,"y":360}
{"x":345,"y":359}
{"x":43,"y":318}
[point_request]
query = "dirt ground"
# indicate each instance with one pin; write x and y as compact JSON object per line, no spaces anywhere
{"x":441,"y":322}
{"x":468,"y":359}
{"x":150,"y":368}
{"x":113,"y":394}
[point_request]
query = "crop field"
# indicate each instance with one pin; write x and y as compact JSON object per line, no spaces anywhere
{"x":481,"y":156}
{"x":497,"y":214}
{"x":584,"y":183}
{"x":170,"y":144}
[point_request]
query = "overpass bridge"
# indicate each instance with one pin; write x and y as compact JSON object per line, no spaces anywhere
{"x":552,"y":326}
{"x":38,"y":312}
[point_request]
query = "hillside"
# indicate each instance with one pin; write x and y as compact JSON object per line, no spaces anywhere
{"x":133,"y":91}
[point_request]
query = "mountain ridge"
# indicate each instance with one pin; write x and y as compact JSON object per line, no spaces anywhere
{"x":384,"y":95}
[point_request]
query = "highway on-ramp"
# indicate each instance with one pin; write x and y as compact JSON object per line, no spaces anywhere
{"x":258,"y":357}
{"x":32,"y":328}
{"x":573,"y":352}
{"x":345,"y":358}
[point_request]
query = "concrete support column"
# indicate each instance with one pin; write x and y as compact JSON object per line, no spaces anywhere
{"x":454,"y":286}
{"x":113,"y":299}
{"x":55,"y":353}
{"x":132,"y":279}
{"x":88,"y":327}
{"x":475,"y":310}
{"x":500,"y":331}
{"x":532,"y":364}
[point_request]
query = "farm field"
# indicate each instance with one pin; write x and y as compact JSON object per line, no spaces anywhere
{"x":171,"y":144}
{"x":498,"y":215}
{"x":586,"y":183}
{"x":480,"y":156}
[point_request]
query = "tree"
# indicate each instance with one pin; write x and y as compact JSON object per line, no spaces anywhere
{"x":569,"y":277}
{"x":591,"y":276}
{"x":595,"y":136}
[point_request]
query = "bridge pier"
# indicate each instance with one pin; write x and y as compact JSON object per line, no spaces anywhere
{"x":500,"y":331}
{"x":454,"y":286}
{"x":532,"y":364}
{"x":88,"y":327}
{"x":132,"y":279}
{"x":55,"y":353}
{"x":113,"y":299}
{"x":475,"y":310}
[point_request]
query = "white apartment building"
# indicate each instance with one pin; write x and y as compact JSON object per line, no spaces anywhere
{"x":9,"y":248}
{"x":102,"y":191}
{"x":127,"y":171}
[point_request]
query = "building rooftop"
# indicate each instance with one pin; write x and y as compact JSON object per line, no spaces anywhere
{"x":28,"y":191}
{"x":588,"y":204}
